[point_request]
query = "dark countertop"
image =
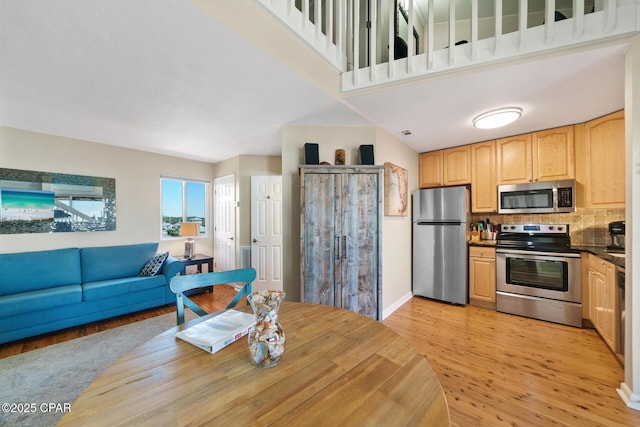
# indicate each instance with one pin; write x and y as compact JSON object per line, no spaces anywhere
{"x":482,"y":242}
{"x":601,"y":252}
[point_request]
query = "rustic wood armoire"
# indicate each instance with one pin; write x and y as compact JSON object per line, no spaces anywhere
{"x":341,"y":237}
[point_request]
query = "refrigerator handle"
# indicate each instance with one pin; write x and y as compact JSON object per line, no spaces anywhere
{"x":336,"y":247}
{"x":344,"y":247}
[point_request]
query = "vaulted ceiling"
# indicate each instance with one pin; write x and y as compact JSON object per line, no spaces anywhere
{"x":165,"y":77}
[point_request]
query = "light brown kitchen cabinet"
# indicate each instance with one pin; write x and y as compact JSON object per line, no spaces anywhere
{"x":457,"y":165}
{"x":431,"y":169}
{"x":445,"y":167}
{"x":604,"y":170}
{"x":602,"y":299}
{"x":484,"y":195}
{"x":553,"y":154}
{"x":514,"y":159}
{"x":540,"y":156}
{"x":482,"y":276}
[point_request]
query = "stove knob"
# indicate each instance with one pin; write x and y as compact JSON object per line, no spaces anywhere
{"x":551,"y":227}
{"x":513,"y":227}
{"x":560,"y":228}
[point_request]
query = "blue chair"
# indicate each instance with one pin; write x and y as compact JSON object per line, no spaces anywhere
{"x":180,"y":284}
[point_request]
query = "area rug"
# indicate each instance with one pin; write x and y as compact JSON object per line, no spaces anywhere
{"x":57,"y":374}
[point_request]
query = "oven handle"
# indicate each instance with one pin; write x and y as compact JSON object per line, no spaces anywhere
{"x":535,"y":253}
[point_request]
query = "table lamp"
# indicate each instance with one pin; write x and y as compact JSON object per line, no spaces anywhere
{"x":188,"y":230}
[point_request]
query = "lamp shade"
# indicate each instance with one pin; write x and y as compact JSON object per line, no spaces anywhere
{"x":189,"y":229}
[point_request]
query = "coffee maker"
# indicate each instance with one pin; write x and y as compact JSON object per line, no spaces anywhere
{"x":616,"y":232}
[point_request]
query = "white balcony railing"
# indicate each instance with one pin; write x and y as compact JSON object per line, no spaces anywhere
{"x":370,"y":42}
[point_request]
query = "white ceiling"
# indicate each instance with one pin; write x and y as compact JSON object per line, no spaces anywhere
{"x":165,"y":77}
{"x":554,"y":91}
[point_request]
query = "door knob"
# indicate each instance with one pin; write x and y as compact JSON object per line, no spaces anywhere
{"x":230,"y":238}
{"x":254,"y":241}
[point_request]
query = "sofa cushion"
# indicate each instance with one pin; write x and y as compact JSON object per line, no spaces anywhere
{"x":153,"y":266}
{"x":115,"y":262}
{"x":30,"y":271}
{"x":33,"y":301}
{"x":108,"y":288}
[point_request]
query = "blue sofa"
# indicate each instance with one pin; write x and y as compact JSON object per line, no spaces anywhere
{"x":50,"y":290}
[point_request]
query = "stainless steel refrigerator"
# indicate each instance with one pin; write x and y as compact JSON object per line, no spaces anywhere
{"x":440,"y":217}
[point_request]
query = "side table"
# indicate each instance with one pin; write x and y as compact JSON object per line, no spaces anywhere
{"x":198,"y":260}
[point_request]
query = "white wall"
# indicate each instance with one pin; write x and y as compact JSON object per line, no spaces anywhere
{"x":396,"y":230}
{"x":396,"y":268}
{"x":630,"y":388}
{"x":243,"y":168}
{"x":137,"y":176}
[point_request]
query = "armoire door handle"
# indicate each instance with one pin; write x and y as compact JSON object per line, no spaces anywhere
{"x":344,"y":247}
{"x":336,"y":247}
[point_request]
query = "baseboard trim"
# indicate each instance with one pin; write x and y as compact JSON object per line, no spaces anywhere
{"x":630,"y":399}
{"x":396,"y":305}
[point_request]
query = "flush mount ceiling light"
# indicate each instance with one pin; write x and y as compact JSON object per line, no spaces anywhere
{"x":496,"y":118}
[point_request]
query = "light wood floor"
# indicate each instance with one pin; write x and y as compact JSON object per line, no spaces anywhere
{"x":496,"y":369}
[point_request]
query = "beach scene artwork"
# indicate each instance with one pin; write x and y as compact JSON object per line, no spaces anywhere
{"x":50,"y":202}
{"x":26,"y":205}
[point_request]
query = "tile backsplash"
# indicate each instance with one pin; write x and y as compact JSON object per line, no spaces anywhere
{"x":587,"y":226}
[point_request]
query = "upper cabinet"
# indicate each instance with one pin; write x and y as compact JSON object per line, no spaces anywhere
{"x":445,"y":167}
{"x":484,"y":197}
{"x":540,"y":156}
{"x":592,"y":153}
{"x":457,"y":165}
{"x":431,"y":169}
{"x":554,"y":154}
{"x":604,"y":165}
{"x":514,"y":159}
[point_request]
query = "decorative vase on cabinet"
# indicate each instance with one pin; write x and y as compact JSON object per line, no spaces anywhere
{"x":341,"y":237}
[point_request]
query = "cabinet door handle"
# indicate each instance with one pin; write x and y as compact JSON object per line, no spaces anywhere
{"x":336,"y":247}
{"x":344,"y":247}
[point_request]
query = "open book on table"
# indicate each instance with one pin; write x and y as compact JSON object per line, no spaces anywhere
{"x":218,"y":332}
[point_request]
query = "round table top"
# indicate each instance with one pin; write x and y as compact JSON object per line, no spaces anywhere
{"x":338,"y":367}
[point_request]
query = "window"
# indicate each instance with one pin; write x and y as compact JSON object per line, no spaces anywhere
{"x":184,"y":201}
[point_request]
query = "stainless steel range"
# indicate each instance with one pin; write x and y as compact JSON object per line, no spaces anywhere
{"x":537,"y":273}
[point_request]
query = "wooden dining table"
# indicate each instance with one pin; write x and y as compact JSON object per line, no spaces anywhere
{"x":339,"y":368}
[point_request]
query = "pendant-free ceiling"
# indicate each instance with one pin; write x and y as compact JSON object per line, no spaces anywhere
{"x":497,"y":118}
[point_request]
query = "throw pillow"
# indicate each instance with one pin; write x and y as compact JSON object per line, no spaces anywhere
{"x":153,"y":266}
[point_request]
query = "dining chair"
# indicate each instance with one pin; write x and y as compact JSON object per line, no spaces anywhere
{"x":182,"y":283}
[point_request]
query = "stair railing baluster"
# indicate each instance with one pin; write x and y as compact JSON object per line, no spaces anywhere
{"x":498,"y":27}
{"x":522,"y":23}
{"x":430,"y":36}
{"x":578,"y":18}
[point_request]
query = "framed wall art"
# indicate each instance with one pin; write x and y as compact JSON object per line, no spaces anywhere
{"x":49,"y":202}
{"x":396,"y":187}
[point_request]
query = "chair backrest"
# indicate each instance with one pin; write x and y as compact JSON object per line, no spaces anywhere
{"x":180,"y":284}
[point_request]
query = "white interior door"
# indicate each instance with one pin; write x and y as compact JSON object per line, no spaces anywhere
{"x":266,"y":231}
{"x":224,"y":237}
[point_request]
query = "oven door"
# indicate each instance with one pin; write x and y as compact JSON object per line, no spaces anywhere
{"x":540,"y":274}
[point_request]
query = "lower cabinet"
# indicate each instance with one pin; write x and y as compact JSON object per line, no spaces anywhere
{"x":482,"y":276}
{"x":602,"y":299}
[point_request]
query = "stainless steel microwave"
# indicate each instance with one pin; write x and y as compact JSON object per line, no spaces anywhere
{"x":537,"y":197}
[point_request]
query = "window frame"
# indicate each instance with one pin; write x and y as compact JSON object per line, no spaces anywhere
{"x":204,"y":230}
